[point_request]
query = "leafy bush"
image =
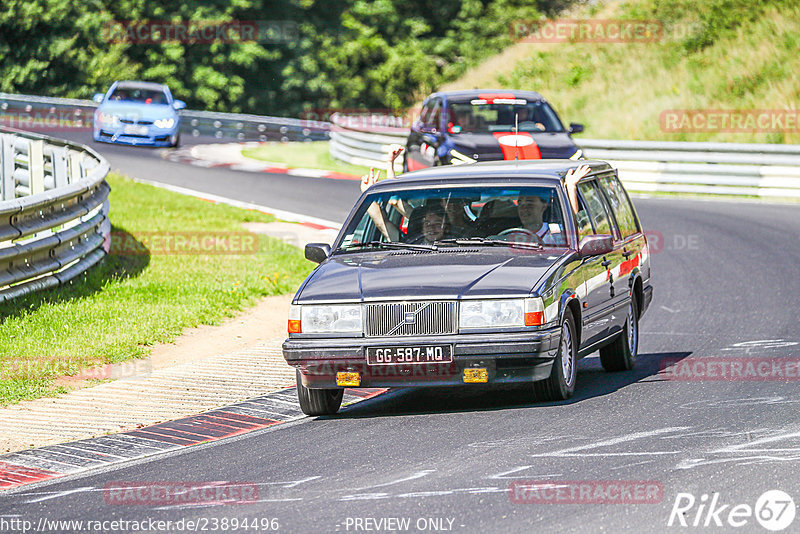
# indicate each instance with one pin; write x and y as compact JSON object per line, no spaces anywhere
{"x":347,"y":54}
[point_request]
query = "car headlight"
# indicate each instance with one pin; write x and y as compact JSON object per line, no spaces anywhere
{"x":325,"y":319}
{"x":164,"y":123}
{"x":108,"y":119}
{"x":501,"y":313}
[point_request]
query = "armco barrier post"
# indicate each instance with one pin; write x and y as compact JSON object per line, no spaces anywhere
{"x":7,"y":167}
{"x":60,"y":167}
{"x":36,"y":166}
{"x":74,"y":166}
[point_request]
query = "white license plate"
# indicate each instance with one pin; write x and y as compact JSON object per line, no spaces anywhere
{"x":402,"y":355}
{"x":135,"y":130}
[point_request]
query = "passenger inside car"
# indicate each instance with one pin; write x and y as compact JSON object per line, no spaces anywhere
{"x":459,"y":217}
{"x":434,"y":226}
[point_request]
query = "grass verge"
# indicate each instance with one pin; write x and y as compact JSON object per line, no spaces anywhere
{"x":120,"y":308}
{"x":715,"y":54}
{"x":311,"y":155}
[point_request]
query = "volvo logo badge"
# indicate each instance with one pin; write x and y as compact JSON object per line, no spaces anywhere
{"x":409,"y":318}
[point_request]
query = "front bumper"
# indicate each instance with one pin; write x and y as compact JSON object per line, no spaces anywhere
{"x":155,"y":137}
{"x":508,"y":357}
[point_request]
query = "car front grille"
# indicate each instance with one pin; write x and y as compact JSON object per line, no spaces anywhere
{"x":410,"y":318}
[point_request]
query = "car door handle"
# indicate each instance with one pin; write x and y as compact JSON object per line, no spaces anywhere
{"x":606,"y":263}
{"x":627,"y":253}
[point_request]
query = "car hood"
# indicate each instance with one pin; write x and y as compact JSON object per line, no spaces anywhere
{"x":487,"y":147}
{"x":414,"y":275}
{"x":138,"y":111}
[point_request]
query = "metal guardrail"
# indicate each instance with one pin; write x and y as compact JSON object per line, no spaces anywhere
{"x":644,"y":166}
{"x":67,"y":113}
{"x":357,"y":142}
{"x":53,"y":213}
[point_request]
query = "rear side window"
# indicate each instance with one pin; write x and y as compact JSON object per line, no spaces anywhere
{"x":620,"y":205}
{"x":583,"y":221}
{"x":425,"y":116}
{"x":436,"y":115}
{"x":597,"y":209}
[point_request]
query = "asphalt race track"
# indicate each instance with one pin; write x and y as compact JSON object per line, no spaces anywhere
{"x":280,"y":191}
{"x":726,"y":285}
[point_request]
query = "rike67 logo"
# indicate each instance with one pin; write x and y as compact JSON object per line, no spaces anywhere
{"x":774,"y":510}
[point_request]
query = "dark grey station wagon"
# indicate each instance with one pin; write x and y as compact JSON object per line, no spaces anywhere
{"x":476,"y":274}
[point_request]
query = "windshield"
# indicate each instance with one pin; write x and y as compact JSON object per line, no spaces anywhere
{"x":444,"y":216}
{"x":132,"y":94}
{"x":482,"y":116}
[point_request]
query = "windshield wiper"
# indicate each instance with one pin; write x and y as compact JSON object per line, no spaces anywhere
{"x":390,"y":244}
{"x":471,"y":241}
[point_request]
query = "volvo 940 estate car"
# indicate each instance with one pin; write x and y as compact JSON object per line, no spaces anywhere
{"x":473,"y":274}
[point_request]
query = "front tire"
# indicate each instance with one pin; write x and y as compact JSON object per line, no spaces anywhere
{"x":318,"y":401}
{"x":560,"y":385}
{"x":621,"y":354}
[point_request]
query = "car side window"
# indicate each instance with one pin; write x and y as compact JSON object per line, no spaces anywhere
{"x":583,"y":220}
{"x":436,"y":116}
{"x":425,"y":115}
{"x":597,"y":209}
{"x":620,"y":204}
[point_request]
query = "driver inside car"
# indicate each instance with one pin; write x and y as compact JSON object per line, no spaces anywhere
{"x":529,"y":226}
{"x":531,"y":212}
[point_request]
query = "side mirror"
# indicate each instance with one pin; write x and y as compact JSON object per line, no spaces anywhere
{"x":575,"y":127}
{"x":178,"y":105}
{"x":317,"y":252}
{"x":98,"y":97}
{"x":596,"y":245}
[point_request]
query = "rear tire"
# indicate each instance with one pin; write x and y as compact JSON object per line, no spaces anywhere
{"x":621,"y":354}
{"x":318,"y":401}
{"x":560,"y":385}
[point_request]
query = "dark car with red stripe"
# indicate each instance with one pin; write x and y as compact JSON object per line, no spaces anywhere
{"x":457,"y":127}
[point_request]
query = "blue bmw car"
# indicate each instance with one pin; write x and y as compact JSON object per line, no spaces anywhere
{"x":137,"y":113}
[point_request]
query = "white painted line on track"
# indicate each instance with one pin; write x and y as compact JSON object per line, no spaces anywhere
{"x":415,"y":476}
{"x":59,"y":494}
{"x":280,"y":214}
{"x":579,"y":450}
